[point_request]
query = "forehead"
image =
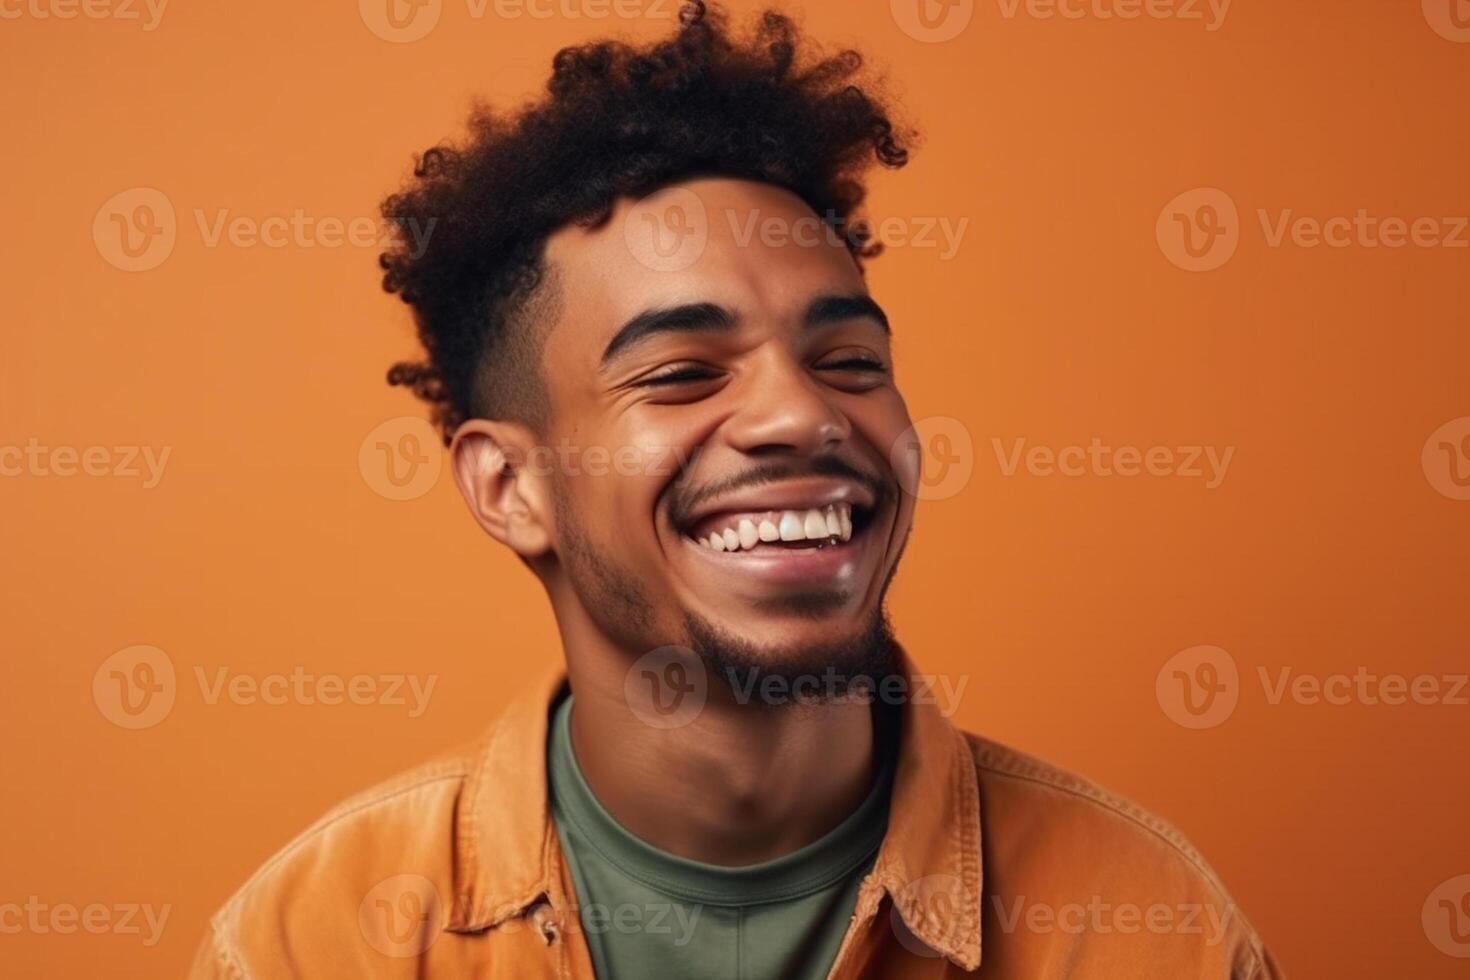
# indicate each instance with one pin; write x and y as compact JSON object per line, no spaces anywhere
{"x":753,"y":248}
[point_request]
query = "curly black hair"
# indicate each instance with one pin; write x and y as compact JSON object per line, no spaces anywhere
{"x":617,"y":120}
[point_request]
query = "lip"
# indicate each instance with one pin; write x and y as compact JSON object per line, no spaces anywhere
{"x":800,"y":494}
{"x":830,"y":564}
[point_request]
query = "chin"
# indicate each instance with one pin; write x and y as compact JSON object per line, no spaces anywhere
{"x":832,"y":650}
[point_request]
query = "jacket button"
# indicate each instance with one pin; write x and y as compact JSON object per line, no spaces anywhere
{"x":545,"y":921}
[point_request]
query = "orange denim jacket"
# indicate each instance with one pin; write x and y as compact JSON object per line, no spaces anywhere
{"x":993,"y":862}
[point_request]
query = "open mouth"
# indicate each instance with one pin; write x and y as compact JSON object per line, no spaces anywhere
{"x":803,"y":529}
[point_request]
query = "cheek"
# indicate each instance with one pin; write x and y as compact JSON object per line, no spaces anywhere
{"x":622,"y":485}
{"x":656,"y":448}
{"x":885,"y":425}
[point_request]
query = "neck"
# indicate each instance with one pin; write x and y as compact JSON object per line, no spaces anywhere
{"x":738,"y":784}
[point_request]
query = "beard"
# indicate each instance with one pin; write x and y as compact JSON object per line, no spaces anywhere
{"x":843,"y":668}
{"x":838,"y":670}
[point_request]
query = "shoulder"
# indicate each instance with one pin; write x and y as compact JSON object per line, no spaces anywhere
{"x":396,"y":837}
{"x":1060,"y":848}
{"x":1062,"y":803}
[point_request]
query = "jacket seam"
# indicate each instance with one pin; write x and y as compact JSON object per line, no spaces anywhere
{"x":226,"y":955}
{"x":325,"y":822}
{"x":1130,"y":811}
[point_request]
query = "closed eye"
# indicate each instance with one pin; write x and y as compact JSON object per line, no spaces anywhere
{"x":854,"y":364}
{"x":677,"y":376}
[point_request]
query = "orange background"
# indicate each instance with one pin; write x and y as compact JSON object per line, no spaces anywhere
{"x":1060,"y":318}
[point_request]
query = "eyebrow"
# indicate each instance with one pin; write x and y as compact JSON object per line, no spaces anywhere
{"x":706,"y":317}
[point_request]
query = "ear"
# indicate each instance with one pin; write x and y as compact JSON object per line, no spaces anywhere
{"x":506,"y":495}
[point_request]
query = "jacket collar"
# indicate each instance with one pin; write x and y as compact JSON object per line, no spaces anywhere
{"x":930,"y":861}
{"x":508,"y":854}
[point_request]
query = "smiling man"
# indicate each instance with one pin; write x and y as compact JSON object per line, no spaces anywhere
{"x":668,"y":391}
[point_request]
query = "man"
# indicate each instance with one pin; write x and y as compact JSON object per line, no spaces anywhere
{"x":731,"y":778}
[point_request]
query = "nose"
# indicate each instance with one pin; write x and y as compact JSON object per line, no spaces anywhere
{"x":782,"y":409}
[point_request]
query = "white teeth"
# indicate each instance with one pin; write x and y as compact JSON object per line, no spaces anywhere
{"x":748,"y":534}
{"x":792,"y":525}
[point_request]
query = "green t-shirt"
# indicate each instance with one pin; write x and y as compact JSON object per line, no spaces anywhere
{"x":649,"y":915}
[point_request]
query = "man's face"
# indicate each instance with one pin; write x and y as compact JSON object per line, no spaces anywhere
{"x":749,"y":505}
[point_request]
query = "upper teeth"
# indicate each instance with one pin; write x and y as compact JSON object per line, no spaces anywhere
{"x":816,"y":524}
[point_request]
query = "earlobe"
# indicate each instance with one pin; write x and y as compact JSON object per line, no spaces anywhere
{"x":505,"y":495}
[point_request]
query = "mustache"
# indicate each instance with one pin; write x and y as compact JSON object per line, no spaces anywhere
{"x":684,"y":500}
